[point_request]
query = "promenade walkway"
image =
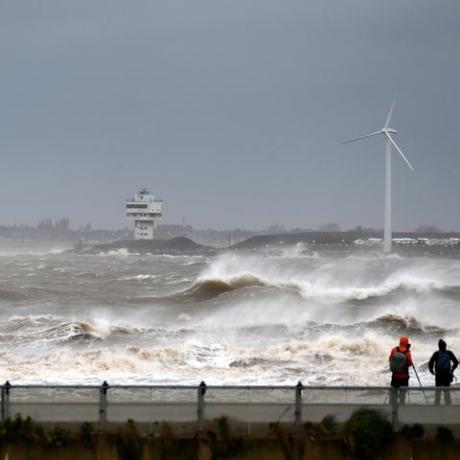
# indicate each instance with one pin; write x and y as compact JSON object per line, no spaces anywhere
{"x":192,"y":408}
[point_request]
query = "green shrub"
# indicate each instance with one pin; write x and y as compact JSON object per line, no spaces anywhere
{"x":128,"y":441}
{"x":59,"y":437}
{"x":283,"y":438}
{"x":166,"y":431}
{"x":21,"y":430}
{"x":224,"y":428}
{"x":87,"y":433}
{"x":309,"y":426}
{"x":444,"y":434}
{"x":223,"y":445}
{"x":329,"y":425}
{"x":166,"y":441}
{"x":415,"y":431}
{"x":367,"y":433}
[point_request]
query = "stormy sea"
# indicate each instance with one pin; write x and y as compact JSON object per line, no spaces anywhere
{"x":259,"y":317}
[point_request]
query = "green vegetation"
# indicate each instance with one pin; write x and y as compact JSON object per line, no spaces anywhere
{"x":129,"y":441}
{"x":166,"y":442}
{"x":444,"y":434}
{"x":284,"y":439}
{"x":367,"y":433}
{"x":87,"y":434}
{"x":329,"y":425}
{"x":222,"y":444}
{"x":59,"y":437}
{"x":22,"y":430}
{"x":415,"y":431}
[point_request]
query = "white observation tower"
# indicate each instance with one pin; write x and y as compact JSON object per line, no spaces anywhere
{"x":145,"y":211}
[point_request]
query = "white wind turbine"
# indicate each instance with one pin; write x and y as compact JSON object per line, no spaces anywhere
{"x":386,"y":131}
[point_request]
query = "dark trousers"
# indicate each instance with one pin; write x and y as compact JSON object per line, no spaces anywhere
{"x":443,"y":380}
{"x":400,"y":383}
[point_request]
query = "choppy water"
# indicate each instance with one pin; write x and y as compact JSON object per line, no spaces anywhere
{"x":259,"y":318}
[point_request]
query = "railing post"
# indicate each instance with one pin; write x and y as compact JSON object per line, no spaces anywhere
{"x":103,"y":405}
{"x":6,"y":400}
{"x":200,"y":408}
{"x":298,"y":403}
{"x":394,"y":408}
{"x":3,"y":404}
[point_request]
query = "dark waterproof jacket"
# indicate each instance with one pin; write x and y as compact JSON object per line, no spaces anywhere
{"x":433,"y":363}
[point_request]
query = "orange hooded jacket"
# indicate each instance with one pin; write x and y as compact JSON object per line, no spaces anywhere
{"x":403,"y":347}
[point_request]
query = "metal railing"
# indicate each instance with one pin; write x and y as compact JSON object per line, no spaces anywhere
{"x":248,"y":405}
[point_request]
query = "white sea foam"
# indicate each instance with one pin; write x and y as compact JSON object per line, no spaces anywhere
{"x":242,"y":319}
{"x":326,"y":283}
{"x":141,"y":277}
{"x":116,"y":252}
{"x":443,"y":242}
{"x":297,"y":251}
{"x":330,"y":359}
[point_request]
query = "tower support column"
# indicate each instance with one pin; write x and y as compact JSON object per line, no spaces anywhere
{"x":387,"y":217}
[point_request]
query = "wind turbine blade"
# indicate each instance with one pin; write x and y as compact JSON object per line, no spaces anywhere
{"x":399,"y":150}
{"x":387,"y":121}
{"x":363,"y":137}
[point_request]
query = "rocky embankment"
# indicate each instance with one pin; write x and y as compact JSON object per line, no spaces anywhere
{"x":174,"y":246}
{"x":444,"y":244}
{"x":404,"y":243}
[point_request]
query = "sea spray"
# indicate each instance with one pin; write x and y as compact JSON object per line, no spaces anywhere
{"x":236,"y":318}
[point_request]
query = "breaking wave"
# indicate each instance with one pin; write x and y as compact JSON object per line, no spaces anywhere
{"x":388,"y":288}
{"x":52,"y":329}
{"x":273,"y":317}
{"x":73,"y":331}
{"x":208,"y":289}
{"x":319,"y":280}
{"x":332,"y":358}
{"x":404,"y":325}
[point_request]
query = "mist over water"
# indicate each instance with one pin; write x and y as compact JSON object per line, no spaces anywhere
{"x":269,"y":317}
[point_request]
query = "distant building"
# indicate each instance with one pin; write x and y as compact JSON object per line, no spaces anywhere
{"x":145,"y":212}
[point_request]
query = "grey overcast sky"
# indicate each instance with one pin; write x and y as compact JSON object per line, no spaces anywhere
{"x":232,"y":111}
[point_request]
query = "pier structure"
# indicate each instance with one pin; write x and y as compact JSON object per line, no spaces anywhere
{"x":145,"y":212}
{"x":250,"y":410}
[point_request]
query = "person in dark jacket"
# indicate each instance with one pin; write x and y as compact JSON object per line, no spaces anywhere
{"x":442,"y":365}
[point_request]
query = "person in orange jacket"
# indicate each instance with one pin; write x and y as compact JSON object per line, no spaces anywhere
{"x":400,"y":360}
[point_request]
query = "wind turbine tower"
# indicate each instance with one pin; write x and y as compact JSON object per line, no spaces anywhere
{"x":389,"y":143}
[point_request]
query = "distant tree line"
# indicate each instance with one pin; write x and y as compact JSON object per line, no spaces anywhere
{"x":48,"y":228}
